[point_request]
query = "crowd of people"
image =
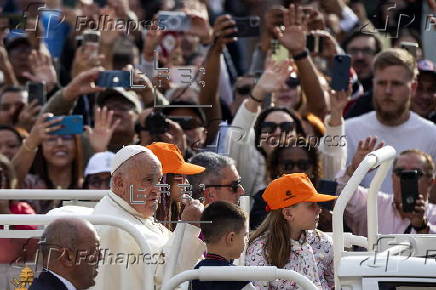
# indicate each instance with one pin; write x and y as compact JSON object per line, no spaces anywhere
{"x":229,"y":99}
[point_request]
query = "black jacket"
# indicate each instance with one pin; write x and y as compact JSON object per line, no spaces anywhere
{"x":47,"y":281}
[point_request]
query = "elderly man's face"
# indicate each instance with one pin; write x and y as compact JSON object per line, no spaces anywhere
{"x":139,"y":183}
{"x":409,"y":162}
{"x":87,"y":258}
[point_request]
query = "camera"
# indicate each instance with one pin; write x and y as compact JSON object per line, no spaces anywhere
{"x":174,"y":21}
{"x":156,"y":123}
{"x":247,"y":26}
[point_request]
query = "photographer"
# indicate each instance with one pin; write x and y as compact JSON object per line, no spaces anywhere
{"x":156,"y":127}
{"x":392,"y":217}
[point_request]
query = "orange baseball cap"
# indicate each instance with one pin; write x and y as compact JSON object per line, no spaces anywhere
{"x":291,"y":189}
{"x":172,"y":160}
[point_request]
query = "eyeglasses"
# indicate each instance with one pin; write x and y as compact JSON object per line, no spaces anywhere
{"x":96,"y":181}
{"x":234,"y":185}
{"x":290,"y":164}
{"x":419,"y":172}
{"x":270,"y":127}
{"x":366,"y":51}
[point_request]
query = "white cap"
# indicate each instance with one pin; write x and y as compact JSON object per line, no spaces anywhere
{"x":99,"y":163}
{"x":126,"y":153}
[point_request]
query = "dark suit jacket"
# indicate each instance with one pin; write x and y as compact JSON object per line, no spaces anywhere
{"x":47,"y":281}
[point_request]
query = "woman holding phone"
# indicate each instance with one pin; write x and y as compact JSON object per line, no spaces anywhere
{"x":288,"y":238}
{"x":49,"y":161}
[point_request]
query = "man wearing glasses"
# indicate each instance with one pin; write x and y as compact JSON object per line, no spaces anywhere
{"x":394,"y":217}
{"x":219,"y":182}
{"x":125,"y":105}
{"x":363,"y":47}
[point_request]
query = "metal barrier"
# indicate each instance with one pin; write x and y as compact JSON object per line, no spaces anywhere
{"x":40,"y":219}
{"x":383,"y":158}
{"x":239,"y":273}
{"x":52,"y":194}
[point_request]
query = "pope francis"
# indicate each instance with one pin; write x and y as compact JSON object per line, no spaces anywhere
{"x":135,"y":173}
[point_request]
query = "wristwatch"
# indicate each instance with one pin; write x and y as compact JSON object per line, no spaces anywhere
{"x":301,"y":55}
{"x":421,"y":227}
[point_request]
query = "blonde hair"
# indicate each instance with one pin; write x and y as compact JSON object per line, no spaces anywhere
{"x":278,"y":238}
{"x":396,"y":56}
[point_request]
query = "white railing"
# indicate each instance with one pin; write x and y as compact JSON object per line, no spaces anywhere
{"x":52,"y":194}
{"x":41,"y":219}
{"x":239,"y":273}
{"x":383,"y":158}
{"x":32,"y":194}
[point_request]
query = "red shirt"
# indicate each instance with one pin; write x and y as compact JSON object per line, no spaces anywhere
{"x":21,"y":207}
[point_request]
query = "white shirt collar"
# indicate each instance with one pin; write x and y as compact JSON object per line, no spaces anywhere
{"x":67,"y":283}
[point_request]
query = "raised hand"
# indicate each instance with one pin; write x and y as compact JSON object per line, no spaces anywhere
{"x":42,"y":69}
{"x":6,"y":67}
{"x":101,"y":134}
{"x":152,"y":39}
{"x":175,"y":135}
{"x":364,"y":147}
{"x":200,"y":26}
{"x":417,"y":218}
{"x":338,"y":101}
{"x":293,"y":34}
{"x":42,"y":129}
{"x":82,"y":84}
{"x":192,"y":211}
{"x":272,"y":78}
{"x":224,"y":26}
{"x":28,"y":115}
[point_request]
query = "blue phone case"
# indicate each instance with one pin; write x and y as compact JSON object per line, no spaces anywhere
{"x":70,"y":125}
{"x":341,"y":72}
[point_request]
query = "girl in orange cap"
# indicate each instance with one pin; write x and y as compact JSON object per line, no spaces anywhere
{"x":174,"y":168}
{"x":288,"y":238}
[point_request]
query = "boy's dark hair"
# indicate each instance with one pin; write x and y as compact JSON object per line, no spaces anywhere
{"x":225,"y":217}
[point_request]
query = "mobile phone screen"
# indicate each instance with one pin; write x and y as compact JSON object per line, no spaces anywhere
{"x":36,"y":92}
{"x":409,"y":189}
{"x":340,"y":72}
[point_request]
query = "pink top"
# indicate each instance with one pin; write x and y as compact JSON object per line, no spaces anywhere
{"x":389,"y":219}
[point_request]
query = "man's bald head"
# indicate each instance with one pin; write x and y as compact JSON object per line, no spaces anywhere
{"x":71,"y":249}
{"x":65,"y":232}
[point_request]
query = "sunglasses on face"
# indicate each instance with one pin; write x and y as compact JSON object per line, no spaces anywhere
{"x":289,"y":165}
{"x":234,"y":185}
{"x":402,"y":171}
{"x":270,"y":127}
